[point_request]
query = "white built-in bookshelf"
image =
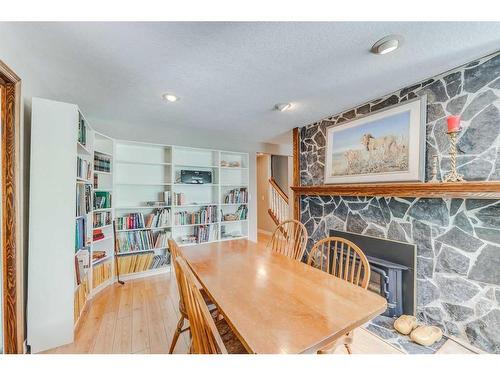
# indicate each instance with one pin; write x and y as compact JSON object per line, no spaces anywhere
{"x":81,"y":180}
{"x":151,"y":173}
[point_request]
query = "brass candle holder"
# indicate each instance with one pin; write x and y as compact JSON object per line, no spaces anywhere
{"x":453,"y":175}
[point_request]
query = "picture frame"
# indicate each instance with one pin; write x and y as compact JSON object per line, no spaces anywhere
{"x":383,"y":146}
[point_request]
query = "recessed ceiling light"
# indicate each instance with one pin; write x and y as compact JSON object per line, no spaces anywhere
{"x":283,"y":106}
{"x":170,"y":97}
{"x":386,"y":45}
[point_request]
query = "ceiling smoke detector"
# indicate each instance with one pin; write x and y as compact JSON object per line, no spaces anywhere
{"x":283,"y":106}
{"x":386,"y":45}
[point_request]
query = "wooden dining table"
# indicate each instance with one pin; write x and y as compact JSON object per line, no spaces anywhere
{"x":275,"y":304}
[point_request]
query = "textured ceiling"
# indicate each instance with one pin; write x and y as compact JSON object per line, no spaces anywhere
{"x":229,"y":75}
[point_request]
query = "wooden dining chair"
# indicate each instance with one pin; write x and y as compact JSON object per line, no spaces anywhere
{"x":345,"y":260}
{"x":208,"y":336}
{"x":175,"y":254}
{"x":290,"y":239}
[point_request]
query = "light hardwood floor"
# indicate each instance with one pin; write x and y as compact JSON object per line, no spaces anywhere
{"x":140,"y":317}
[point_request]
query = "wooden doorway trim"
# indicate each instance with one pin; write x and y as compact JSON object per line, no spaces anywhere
{"x":13,"y":322}
{"x":296,"y":173}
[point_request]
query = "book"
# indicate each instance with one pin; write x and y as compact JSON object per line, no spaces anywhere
{"x":205,"y":215}
{"x":80,"y":233}
{"x":141,"y":240}
{"x":82,"y":130}
{"x":237,"y":196}
{"x":102,"y":219}
{"x":102,"y":162}
{"x":101,"y":273}
{"x":83,"y":199}
{"x":102,"y":199}
{"x":83,"y":168}
{"x":159,"y":218}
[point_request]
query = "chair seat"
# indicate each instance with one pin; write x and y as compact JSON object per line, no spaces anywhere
{"x":231,"y":342}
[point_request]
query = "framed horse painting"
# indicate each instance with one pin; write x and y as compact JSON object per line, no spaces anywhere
{"x":384,"y":146}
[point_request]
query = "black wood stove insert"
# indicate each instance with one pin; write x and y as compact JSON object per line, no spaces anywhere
{"x":392,"y":265}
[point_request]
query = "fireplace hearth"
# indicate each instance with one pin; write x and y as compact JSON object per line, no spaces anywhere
{"x":392,"y":265}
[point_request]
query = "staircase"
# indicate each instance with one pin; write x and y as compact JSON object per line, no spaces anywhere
{"x":278,"y":200}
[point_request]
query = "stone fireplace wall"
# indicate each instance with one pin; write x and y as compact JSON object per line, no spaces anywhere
{"x":458,"y":241}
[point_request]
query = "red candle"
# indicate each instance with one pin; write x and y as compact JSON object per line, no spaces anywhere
{"x":453,"y":124}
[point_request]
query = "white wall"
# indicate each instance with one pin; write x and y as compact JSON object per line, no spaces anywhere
{"x":264,"y":221}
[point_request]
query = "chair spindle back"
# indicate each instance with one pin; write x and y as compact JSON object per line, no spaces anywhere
{"x":205,"y":339}
{"x":341,"y":258}
{"x":290,"y":239}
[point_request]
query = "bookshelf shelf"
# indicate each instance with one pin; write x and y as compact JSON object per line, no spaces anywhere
{"x":103,"y":153}
{"x":83,"y":181}
{"x":193,"y":225}
{"x":102,"y":240}
{"x":194,"y":166}
{"x":196,"y":185}
{"x":140,"y":207}
{"x":196,"y":205}
{"x":233,"y":221}
{"x":103,"y":209}
{"x":104,"y":226}
{"x":143,"y":183}
{"x":141,"y":251}
{"x":101,"y":260}
{"x":82,"y":149}
{"x":141,"y":162}
{"x":141,"y":229}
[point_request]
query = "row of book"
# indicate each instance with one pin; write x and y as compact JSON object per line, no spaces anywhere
{"x":102,"y":163}
{"x":141,"y":240}
{"x":83,"y":198}
{"x":160,"y":260}
{"x":142,"y":262}
{"x":205,"y":215}
{"x":160,"y":217}
{"x":101,"y":273}
{"x":80,"y":297}
{"x":82,"y":130}
{"x":81,"y":233}
{"x":179,"y":199}
{"x":98,"y":254}
{"x":82,"y":264}
{"x":205,"y":233}
{"x":102,"y":219}
{"x":102,"y":199}
{"x":83,"y":168}
{"x":167,"y":198}
{"x":240,"y":214}
{"x":97,"y":235}
{"x":237,"y":196}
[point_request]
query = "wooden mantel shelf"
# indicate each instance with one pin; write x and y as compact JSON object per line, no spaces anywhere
{"x":473,"y":189}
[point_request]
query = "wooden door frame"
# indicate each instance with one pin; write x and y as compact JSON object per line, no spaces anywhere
{"x":12,"y":283}
{"x":296,"y":172}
